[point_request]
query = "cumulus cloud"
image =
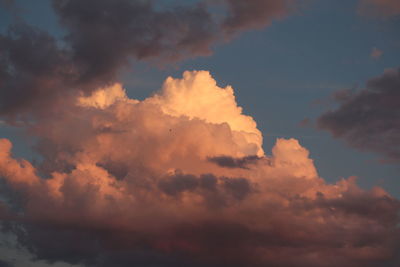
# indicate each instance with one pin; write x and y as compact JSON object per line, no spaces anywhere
{"x":147,"y":183}
{"x":198,"y":96}
{"x":179,"y":178}
{"x":103,"y":37}
{"x":369,"y":119}
{"x":379,"y":7}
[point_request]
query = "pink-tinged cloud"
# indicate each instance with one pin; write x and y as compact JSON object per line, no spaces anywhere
{"x":178,"y":180}
{"x":379,"y":7}
{"x":251,"y":14}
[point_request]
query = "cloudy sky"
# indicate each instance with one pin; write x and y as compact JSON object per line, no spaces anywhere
{"x":199,"y":133}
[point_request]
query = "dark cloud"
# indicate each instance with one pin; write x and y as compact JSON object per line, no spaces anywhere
{"x":369,"y":120}
{"x":302,"y":232}
{"x":33,"y":69}
{"x":216,"y":191}
{"x":362,"y":204}
{"x":238,"y":187}
{"x":230,"y":162}
{"x":5,"y":264}
{"x":103,"y":36}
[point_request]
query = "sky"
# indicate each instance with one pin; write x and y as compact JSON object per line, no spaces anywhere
{"x":199,"y":133}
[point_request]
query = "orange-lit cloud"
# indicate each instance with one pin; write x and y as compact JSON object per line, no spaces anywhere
{"x":180,"y":178}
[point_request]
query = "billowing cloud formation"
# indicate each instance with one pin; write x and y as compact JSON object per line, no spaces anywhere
{"x":103,"y":36}
{"x":198,"y":96}
{"x":379,"y":7}
{"x":131,"y":183}
{"x":369,"y":119}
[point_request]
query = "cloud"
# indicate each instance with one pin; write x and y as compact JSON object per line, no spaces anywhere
{"x":254,"y":13}
{"x":33,"y":70}
{"x":229,"y":162}
{"x":133,"y":185}
{"x":376,"y":53}
{"x":369,"y":119}
{"x":179,"y":178}
{"x":379,"y":7}
{"x":121,"y":29}
{"x":103,"y":37}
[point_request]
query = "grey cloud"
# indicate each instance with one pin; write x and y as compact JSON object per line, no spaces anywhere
{"x":230,"y":162}
{"x":379,"y":8}
{"x":33,"y":69}
{"x":5,"y":264}
{"x":105,"y":34}
{"x":216,"y":191}
{"x":238,"y":187}
{"x":369,"y":120}
{"x":103,"y":37}
{"x":178,"y":183}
